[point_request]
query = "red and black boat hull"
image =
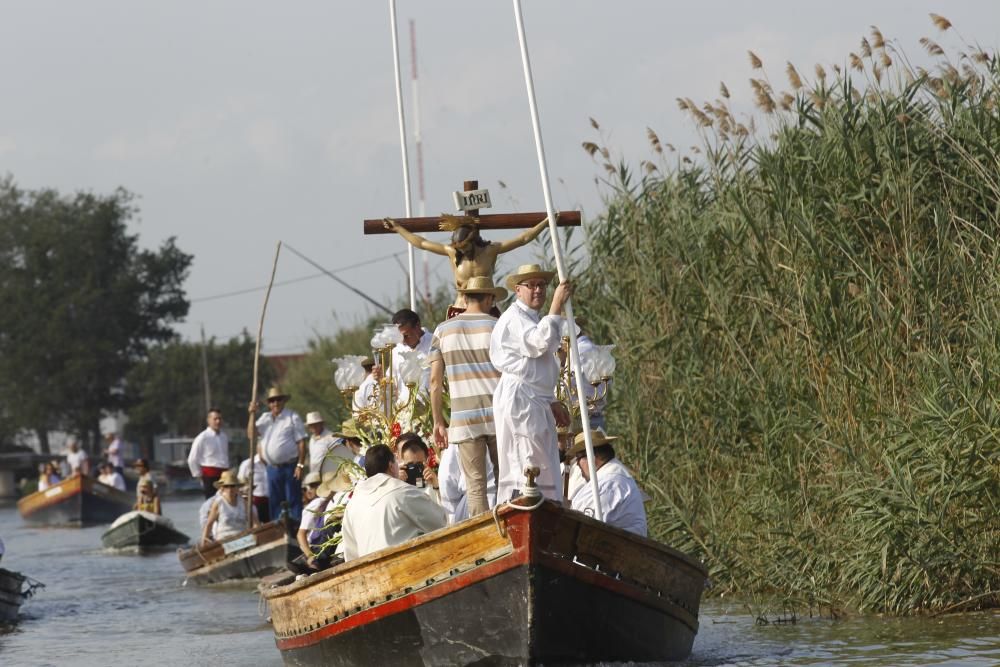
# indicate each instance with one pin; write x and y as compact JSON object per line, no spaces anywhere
{"x":75,"y":501}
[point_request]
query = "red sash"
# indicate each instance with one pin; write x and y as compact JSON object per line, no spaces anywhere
{"x":209,"y":471}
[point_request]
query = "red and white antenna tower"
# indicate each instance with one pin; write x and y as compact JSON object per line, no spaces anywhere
{"x":420,"y":149}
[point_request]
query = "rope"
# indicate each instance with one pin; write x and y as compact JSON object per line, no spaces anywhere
{"x":523,"y":508}
{"x":33,"y":585}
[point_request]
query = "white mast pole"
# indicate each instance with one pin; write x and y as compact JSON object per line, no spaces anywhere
{"x":418,"y":144}
{"x":574,"y":351}
{"x":402,"y":145}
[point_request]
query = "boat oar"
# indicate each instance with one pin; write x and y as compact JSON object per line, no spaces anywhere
{"x":252,"y":425}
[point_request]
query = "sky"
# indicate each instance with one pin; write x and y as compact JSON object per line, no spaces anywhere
{"x":241,"y":123}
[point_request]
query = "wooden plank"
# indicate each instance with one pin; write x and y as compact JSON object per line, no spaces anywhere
{"x":491,"y":221}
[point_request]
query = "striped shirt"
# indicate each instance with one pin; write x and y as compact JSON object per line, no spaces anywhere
{"x":463,"y":343}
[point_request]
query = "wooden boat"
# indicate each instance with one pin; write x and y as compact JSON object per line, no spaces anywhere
{"x":77,"y":500}
{"x":533,"y":587}
{"x":143,"y":530}
{"x":253,"y":553}
{"x":11,"y":595}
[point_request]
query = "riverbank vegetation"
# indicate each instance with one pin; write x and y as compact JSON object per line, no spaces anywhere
{"x":806,"y":315}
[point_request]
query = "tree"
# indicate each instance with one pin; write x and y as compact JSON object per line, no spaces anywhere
{"x":165,"y":391}
{"x":81,"y":302}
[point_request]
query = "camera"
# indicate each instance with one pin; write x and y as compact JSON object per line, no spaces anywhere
{"x":414,"y":473}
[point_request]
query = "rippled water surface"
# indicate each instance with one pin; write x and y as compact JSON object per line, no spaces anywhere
{"x":105,"y":608}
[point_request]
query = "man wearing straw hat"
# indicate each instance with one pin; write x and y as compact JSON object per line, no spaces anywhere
{"x":523,"y":348}
{"x":621,"y":499}
{"x":282,"y":447}
{"x":461,"y":349}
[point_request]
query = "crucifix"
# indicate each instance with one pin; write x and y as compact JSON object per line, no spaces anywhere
{"x":470,"y":254}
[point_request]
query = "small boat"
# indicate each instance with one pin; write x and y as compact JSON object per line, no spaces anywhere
{"x":143,"y":530}
{"x":519,"y":588}
{"x":260,"y":551}
{"x":75,"y":501}
{"x":15,"y":588}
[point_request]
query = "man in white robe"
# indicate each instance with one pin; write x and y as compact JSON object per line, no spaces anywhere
{"x":523,"y":348}
{"x":384,"y":510}
{"x":621,"y":498}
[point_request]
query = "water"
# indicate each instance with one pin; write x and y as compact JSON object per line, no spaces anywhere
{"x":105,"y":608}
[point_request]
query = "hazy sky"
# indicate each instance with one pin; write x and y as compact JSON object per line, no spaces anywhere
{"x":242,"y":123}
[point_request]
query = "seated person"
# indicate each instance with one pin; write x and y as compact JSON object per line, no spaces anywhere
{"x":312,"y":535}
{"x":48,"y":477}
{"x":451,"y":480}
{"x":621,"y":499}
{"x":203,"y":511}
{"x":141,"y":467}
{"x":412,"y":454}
{"x":148,"y":500}
{"x":229,"y":511}
{"x":384,"y":510}
{"x":110,"y":476}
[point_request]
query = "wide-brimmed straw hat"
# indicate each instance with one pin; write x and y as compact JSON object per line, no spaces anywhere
{"x":333,"y":473}
{"x":348,"y":429}
{"x":311,"y":478}
{"x":228,"y":478}
{"x":483,"y":285}
{"x":314,"y":418}
{"x":275,"y":392}
{"x":596,"y":435}
{"x":527,"y":272}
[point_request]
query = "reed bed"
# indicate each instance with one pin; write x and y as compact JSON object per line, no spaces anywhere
{"x":806,"y":313}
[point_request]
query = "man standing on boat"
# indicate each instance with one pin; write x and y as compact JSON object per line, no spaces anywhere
{"x":523,"y":348}
{"x":621,"y":498}
{"x":415,"y":337}
{"x":363,"y":396}
{"x":282,"y":447}
{"x":384,"y":510}
{"x":113,"y":452}
{"x":461,"y":349}
{"x":209,"y":455}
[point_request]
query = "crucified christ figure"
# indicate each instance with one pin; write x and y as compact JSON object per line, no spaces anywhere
{"x":470,"y":254}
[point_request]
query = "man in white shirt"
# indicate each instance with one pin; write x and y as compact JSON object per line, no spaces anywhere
{"x":209,"y":455}
{"x":384,"y":510}
{"x":621,"y":499}
{"x":260,"y":499}
{"x":415,"y":337}
{"x":113,"y":452}
{"x":282,"y":447}
{"x":76,"y":459}
{"x":323,"y":443}
{"x":111,"y":477}
{"x":363,"y":396}
{"x":523,"y":348}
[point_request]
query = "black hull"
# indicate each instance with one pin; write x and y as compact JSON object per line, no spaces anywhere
{"x":568,"y":621}
{"x":140,"y":532}
{"x":11,"y":595}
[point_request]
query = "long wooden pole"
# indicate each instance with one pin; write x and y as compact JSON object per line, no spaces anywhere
{"x":252,"y":426}
{"x":574,"y":351}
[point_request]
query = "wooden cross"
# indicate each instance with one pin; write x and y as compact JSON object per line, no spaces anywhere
{"x":489,"y":221}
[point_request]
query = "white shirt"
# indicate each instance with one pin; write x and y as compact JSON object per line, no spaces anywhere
{"x":621,"y":499}
{"x":325,"y":445}
{"x":113,"y":479}
{"x":280,"y":436}
{"x":76,"y":459}
{"x":259,"y":476}
{"x":363,"y":396}
{"x":232,"y":519}
{"x":210,"y":448}
{"x":451,"y":479}
{"x":114,"y":453}
{"x":523,"y":346}
{"x":385,"y":511}
{"x":203,"y":511}
{"x":424,"y":348}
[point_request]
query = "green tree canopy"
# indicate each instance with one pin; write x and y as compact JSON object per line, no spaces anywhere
{"x":82,"y":304}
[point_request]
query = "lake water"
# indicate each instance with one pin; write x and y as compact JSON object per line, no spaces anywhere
{"x":105,"y":608}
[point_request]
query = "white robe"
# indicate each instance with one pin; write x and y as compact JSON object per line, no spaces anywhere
{"x":385,"y":511}
{"x":454,"y":498}
{"x":523,"y":348}
{"x":621,"y":499}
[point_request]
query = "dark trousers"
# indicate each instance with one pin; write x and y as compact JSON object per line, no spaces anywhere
{"x":263,"y":508}
{"x":208,"y":485}
{"x":283,"y":487}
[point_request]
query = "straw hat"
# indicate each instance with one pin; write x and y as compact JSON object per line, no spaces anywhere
{"x":275,"y":392}
{"x":483,"y":285}
{"x":526,"y":272}
{"x":314,"y":418}
{"x":311,"y":478}
{"x":367,"y":362}
{"x":333,"y":474}
{"x":597,"y":436}
{"x":348,"y":429}
{"x":228,"y":478}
